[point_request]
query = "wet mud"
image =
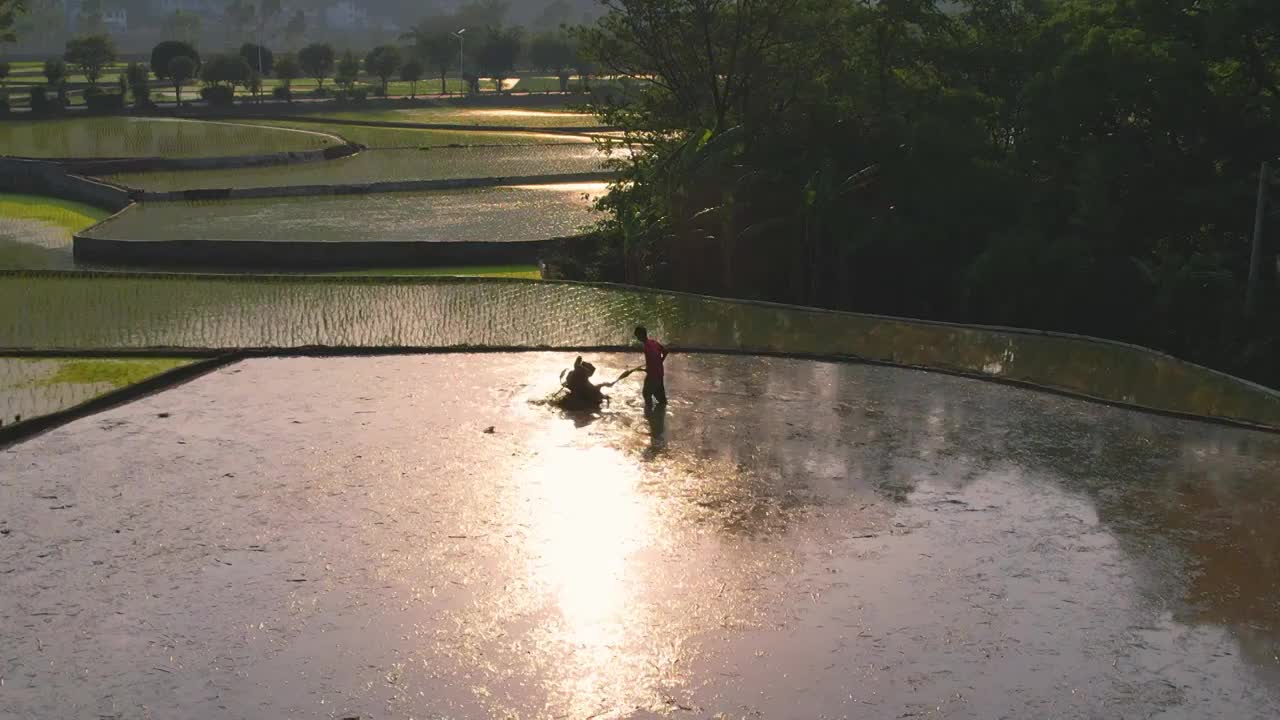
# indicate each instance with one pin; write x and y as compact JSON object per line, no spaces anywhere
{"x":420,"y":537}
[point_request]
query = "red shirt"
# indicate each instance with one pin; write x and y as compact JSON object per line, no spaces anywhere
{"x":653,"y":352}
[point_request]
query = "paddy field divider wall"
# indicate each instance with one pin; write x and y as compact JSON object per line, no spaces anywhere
{"x":67,"y":312}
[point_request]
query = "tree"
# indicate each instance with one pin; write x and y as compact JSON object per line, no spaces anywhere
{"x":138,"y":77}
{"x":411,"y":72}
{"x":181,"y":69}
{"x":55,"y":72}
{"x":348,"y":71}
{"x":436,"y":46}
{"x":498,"y":53}
{"x":228,"y":70}
{"x":183,"y":25}
{"x":261,"y":59}
{"x":164,"y":53}
{"x":316,"y":61}
{"x":383,"y":61}
{"x":10,"y":10}
{"x":91,"y":53}
{"x":288,"y":70}
{"x":4,"y":73}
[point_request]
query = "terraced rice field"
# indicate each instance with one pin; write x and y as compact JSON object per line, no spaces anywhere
{"x":115,"y":137}
{"x":500,"y":214}
{"x":30,"y":387}
{"x":373,"y":166}
{"x":378,"y":138}
{"x":35,"y":232}
{"x":549,"y":118}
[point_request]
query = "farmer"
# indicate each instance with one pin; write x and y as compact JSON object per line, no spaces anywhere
{"x":654,"y":376}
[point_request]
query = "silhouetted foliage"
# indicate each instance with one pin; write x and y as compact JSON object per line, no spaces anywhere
{"x":1068,"y":165}
{"x":164,"y":53}
{"x":316,"y":61}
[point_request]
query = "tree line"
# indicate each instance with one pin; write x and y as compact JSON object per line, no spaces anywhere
{"x":431,"y":48}
{"x":1088,"y":166}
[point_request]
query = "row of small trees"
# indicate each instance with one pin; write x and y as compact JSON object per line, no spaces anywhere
{"x":431,"y":47}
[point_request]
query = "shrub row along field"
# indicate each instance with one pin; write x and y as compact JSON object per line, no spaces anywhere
{"x":113,"y":137}
{"x":35,"y":232}
{"x":503,"y":214}
{"x":372,"y":166}
{"x":378,"y":137}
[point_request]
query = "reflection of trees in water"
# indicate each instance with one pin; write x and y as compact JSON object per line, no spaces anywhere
{"x":773,"y":441}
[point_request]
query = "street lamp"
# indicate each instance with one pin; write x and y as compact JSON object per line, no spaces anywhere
{"x":462,"y":70}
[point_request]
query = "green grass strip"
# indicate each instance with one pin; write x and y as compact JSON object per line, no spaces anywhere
{"x":117,"y":373}
{"x":524,"y":272}
{"x":73,"y":216}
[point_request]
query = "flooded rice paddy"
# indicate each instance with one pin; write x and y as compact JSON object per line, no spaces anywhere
{"x":119,"y":311}
{"x":118,"y":137}
{"x":36,"y":232}
{"x":381,"y":138}
{"x":31,"y":387}
{"x":480,"y":117}
{"x":374,"y":166}
{"x":499,"y":214}
{"x":419,"y":537}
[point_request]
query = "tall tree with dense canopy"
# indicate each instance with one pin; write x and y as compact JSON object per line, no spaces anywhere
{"x":226,"y":70}
{"x":90,"y":53}
{"x":411,"y":72}
{"x":499,"y":49}
{"x":287,"y":70}
{"x":383,"y":62}
{"x":1070,"y":165}
{"x":348,"y":71}
{"x":436,"y":46}
{"x":164,"y":53}
{"x":316,"y":60}
{"x":261,"y":59}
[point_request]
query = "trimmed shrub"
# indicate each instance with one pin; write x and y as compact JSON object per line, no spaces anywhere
{"x":218,"y":95}
{"x":282,"y":93}
{"x":99,"y":102}
{"x":321,"y":92}
{"x":4,"y":104}
{"x":40,"y":103}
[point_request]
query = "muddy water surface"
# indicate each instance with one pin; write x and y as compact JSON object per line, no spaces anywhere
{"x":419,"y":537}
